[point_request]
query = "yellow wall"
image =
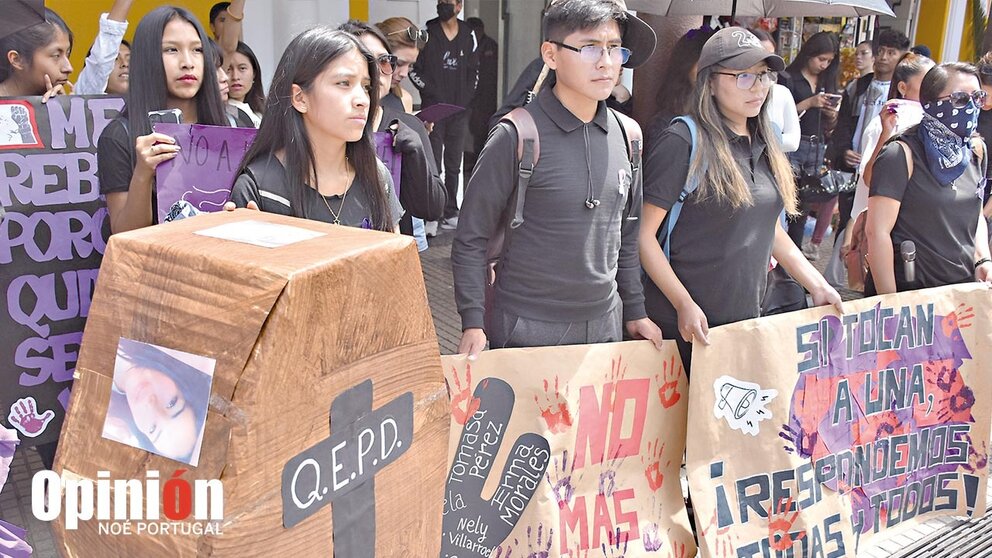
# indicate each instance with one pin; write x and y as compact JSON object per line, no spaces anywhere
{"x":931,"y":24}
{"x":83,"y":18}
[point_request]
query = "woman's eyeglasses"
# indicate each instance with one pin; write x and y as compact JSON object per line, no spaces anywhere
{"x":959,"y":99}
{"x":593,"y":53}
{"x":387,"y":63}
{"x":414,"y":34}
{"x":747,"y":80}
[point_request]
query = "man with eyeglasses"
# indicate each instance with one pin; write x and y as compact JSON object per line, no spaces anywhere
{"x":570,"y":273}
{"x":447,"y":71}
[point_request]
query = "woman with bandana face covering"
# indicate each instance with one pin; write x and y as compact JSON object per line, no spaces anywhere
{"x":926,"y":186}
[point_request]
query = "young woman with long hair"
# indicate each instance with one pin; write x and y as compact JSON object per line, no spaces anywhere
{"x":729,"y":227}
{"x":314,"y":155}
{"x":246,"y":90}
{"x":171,"y":68}
{"x":812,"y":79}
{"x":35,"y":60}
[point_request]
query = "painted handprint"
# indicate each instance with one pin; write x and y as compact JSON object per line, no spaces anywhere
{"x":617,"y":371}
{"x":800,"y":442}
{"x":678,"y":550}
{"x":957,"y":320}
{"x":473,"y":527}
{"x":722,"y":543}
{"x":608,"y":473}
{"x":653,"y":471}
{"x":554,"y":408}
{"x":536,"y":548}
{"x":651,"y":535}
{"x":505,"y":551}
{"x":780,"y":523}
{"x":617,"y":547}
{"x":978,"y":456}
{"x":24,"y":417}
{"x":463,"y":405}
{"x":956,"y":400}
{"x":668,"y":393}
{"x":560,"y":478}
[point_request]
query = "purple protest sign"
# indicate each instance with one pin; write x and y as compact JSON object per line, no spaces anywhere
{"x":52,"y":240}
{"x":204,"y":171}
{"x":391,"y":158}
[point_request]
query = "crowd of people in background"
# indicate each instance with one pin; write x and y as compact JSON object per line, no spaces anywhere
{"x":612,"y":237}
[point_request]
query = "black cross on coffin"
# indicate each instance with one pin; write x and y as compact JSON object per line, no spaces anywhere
{"x":342,"y":468}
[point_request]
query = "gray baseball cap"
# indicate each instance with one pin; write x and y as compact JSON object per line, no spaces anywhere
{"x":736,"y":48}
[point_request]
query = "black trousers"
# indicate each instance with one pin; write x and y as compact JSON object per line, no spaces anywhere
{"x":448,"y":143}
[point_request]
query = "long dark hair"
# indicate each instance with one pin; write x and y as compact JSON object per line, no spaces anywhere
{"x":193,"y":383}
{"x":147,"y":89}
{"x":28,"y":40}
{"x":306,"y":57}
{"x":675,"y":94}
{"x":820,"y":43}
{"x":256,"y":96}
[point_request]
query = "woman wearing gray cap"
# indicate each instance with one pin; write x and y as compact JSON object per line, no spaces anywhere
{"x":713,"y":267}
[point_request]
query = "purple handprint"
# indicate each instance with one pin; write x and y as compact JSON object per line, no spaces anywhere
{"x":608,"y":476}
{"x":560,"y":480}
{"x":618,"y":544}
{"x":536,"y":548}
{"x":651,"y":537}
{"x":24,"y":417}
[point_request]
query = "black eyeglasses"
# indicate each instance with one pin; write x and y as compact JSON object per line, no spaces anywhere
{"x":593,"y":53}
{"x":387,"y":63}
{"x":414,"y":34}
{"x":746,"y":80}
{"x":959,"y":99}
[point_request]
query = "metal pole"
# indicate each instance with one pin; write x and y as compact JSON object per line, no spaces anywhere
{"x":733,"y":12}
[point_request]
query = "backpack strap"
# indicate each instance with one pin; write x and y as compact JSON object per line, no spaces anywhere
{"x":635,"y":142}
{"x":691,"y":184}
{"x":528,"y":152}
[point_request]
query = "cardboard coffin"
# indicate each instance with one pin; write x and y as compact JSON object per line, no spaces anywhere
{"x":342,"y":318}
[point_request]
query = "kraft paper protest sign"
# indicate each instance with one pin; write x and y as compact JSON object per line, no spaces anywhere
{"x":52,"y":238}
{"x":814,"y":432}
{"x":204,"y":171}
{"x":566,"y":451}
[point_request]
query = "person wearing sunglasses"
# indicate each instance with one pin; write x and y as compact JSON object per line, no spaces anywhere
{"x":713,"y":267}
{"x":926,"y":188}
{"x":421,"y":191}
{"x":985,"y":126}
{"x":405,"y":40}
{"x":569,"y":274}
{"x":446,"y":72}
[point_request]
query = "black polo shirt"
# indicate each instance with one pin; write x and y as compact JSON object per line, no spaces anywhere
{"x":941,"y":220}
{"x":721,"y":255}
{"x":566,"y":263}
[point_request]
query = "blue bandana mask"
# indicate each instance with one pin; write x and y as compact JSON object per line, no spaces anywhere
{"x":944,"y":131}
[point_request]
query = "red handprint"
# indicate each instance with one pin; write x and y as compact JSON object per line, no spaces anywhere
{"x":959,"y":319}
{"x":723,"y":543}
{"x":653,"y":471}
{"x":668,"y":393}
{"x":463,"y":404}
{"x":24,"y":417}
{"x":779,"y":524}
{"x":554,"y":410}
{"x":678,"y":550}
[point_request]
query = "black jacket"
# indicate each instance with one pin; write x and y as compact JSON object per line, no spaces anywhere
{"x":447,"y":71}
